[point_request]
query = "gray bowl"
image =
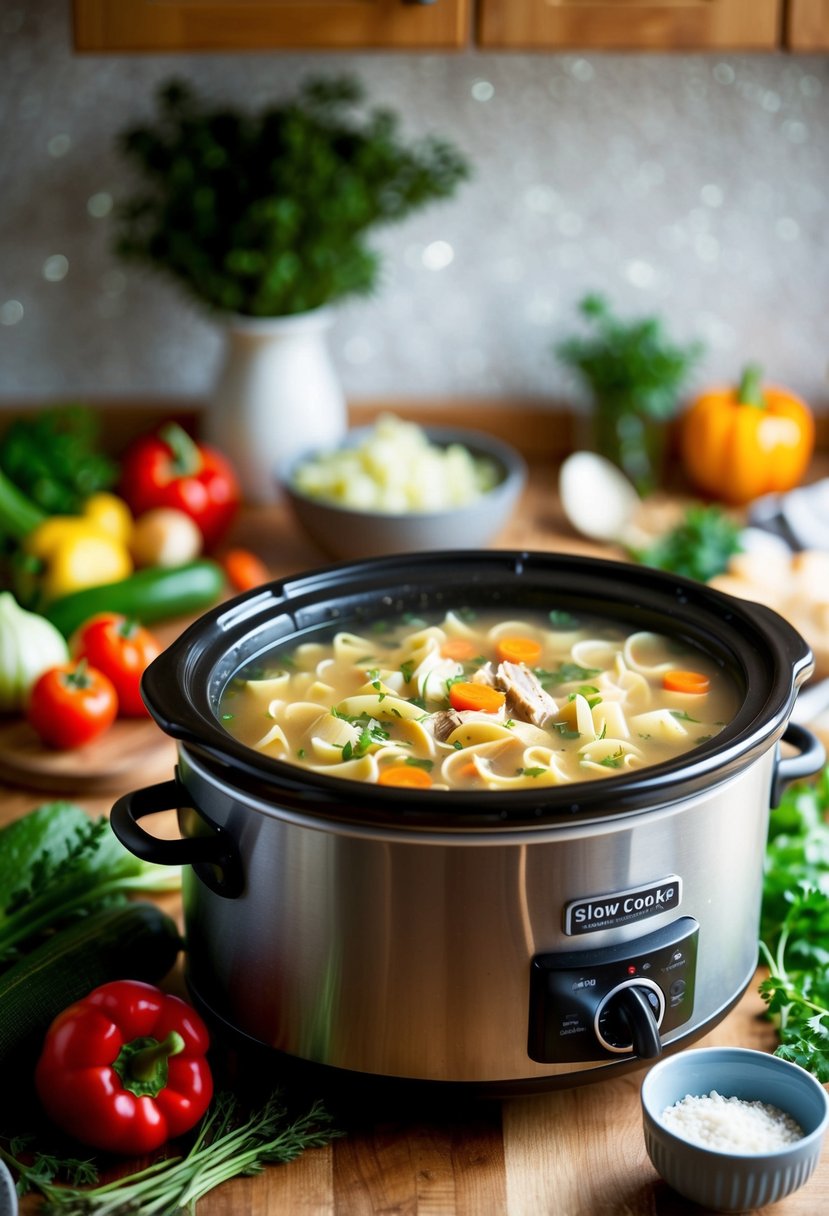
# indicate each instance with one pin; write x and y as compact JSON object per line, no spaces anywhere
{"x":345,"y":532}
{"x":729,"y":1181}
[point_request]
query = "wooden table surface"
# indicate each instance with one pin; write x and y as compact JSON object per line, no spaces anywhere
{"x":577,"y":1152}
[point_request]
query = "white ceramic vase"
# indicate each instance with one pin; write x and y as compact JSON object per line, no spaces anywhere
{"x":277,"y":394}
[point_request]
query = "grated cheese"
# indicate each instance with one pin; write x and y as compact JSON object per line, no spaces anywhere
{"x":731,"y":1124}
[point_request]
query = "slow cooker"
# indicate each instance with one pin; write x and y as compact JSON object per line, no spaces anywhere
{"x":498,"y":940}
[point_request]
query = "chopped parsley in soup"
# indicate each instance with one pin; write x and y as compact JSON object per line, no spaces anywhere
{"x":480,"y":702}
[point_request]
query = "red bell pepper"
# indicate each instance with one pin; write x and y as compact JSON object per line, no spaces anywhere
{"x":169,"y":469}
{"x":124,"y":1069}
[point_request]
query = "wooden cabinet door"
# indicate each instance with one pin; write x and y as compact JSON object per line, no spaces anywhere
{"x":670,"y":25}
{"x":807,"y":25}
{"x":235,"y":25}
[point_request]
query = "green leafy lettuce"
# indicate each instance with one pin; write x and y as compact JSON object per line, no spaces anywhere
{"x":57,"y":865}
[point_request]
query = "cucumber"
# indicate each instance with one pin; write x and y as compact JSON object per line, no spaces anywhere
{"x":135,"y":941}
{"x":149,"y":595}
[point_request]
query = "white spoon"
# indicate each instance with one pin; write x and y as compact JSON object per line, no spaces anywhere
{"x":596,"y":497}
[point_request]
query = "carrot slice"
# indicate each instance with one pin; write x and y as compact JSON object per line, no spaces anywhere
{"x":408,"y":775}
{"x":244,"y":569}
{"x":466,"y":695}
{"x":468,"y":772}
{"x":685,"y":681}
{"x":458,"y":648}
{"x":518,"y":650}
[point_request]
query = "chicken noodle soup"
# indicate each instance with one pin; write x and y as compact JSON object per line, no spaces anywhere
{"x":480,"y":702}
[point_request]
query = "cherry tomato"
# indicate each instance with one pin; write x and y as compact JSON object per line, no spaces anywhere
{"x":72,"y":704}
{"x":121,"y":649}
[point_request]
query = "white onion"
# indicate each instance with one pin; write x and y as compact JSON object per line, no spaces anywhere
{"x":29,"y":645}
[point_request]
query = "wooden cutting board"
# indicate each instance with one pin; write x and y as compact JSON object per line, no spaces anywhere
{"x":132,"y":753}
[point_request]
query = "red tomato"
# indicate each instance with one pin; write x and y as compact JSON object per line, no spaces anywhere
{"x":121,"y":649}
{"x":72,"y":704}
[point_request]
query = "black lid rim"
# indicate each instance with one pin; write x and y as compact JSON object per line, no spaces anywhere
{"x":769,"y":658}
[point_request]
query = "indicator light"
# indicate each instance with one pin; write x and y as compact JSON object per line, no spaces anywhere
{"x":631,"y":970}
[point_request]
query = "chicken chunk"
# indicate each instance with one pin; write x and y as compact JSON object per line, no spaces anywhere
{"x":526,"y":699}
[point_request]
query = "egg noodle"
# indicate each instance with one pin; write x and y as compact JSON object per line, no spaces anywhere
{"x":481,"y":702}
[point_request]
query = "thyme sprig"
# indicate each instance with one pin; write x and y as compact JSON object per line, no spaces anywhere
{"x":227,"y":1145}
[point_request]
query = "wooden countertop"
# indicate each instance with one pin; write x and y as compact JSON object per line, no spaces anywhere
{"x":577,"y":1152}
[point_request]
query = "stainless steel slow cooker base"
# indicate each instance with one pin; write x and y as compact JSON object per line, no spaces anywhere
{"x":394,"y":951}
{"x":535,"y":939}
{"x":269,"y":1065}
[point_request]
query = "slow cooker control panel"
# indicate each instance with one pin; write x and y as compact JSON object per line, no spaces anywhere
{"x":613,"y":1002}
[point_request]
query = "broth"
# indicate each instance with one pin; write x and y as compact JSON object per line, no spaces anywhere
{"x":480,"y":702}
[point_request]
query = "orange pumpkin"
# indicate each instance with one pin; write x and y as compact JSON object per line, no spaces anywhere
{"x":736,"y":444}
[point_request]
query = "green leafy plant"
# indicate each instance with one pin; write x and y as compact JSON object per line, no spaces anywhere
{"x":634,"y":374}
{"x":229,"y":1143}
{"x":699,"y":546}
{"x":54,"y":457}
{"x":630,"y":362}
{"x":794,"y":925}
{"x":57,"y":865}
{"x":267,"y":214}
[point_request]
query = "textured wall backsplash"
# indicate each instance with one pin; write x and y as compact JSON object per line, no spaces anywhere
{"x":692,"y":186}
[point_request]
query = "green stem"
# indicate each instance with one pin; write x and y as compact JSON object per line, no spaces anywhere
{"x":186,"y":456}
{"x":764,"y":950}
{"x":18,"y":514}
{"x":784,"y":985}
{"x":750,"y":391}
{"x":142,"y":1064}
{"x":795,"y":997}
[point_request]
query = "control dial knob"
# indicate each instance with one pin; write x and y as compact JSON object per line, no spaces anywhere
{"x":628,"y":1019}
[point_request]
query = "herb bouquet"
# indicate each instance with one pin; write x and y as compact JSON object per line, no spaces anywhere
{"x":268,"y":214}
{"x":635,"y":375}
{"x":264,"y":219}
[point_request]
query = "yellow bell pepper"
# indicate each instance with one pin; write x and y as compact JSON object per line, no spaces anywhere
{"x":76,"y":551}
{"x":111,"y":514}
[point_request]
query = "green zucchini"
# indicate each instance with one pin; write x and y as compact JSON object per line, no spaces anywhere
{"x":149,"y":595}
{"x":134,"y":941}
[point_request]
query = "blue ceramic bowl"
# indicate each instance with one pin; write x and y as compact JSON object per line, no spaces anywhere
{"x":729,"y":1181}
{"x":347,"y":532}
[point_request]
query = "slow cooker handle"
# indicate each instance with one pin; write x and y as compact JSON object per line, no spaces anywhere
{"x":810,"y":758}
{"x":213,"y":856}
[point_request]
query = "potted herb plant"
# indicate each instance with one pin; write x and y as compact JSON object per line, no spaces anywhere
{"x":264,"y":219}
{"x":635,"y":375}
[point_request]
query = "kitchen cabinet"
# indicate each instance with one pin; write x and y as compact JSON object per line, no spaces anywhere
{"x":445,"y":25}
{"x":807,"y":25}
{"x":671,"y":25}
{"x":236,"y":25}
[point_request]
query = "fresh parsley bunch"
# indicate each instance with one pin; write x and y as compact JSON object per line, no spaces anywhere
{"x":795,"y":925}
{"x":54,"y":457}
{"x":698,"y":547}
{"x":266,"y":214}
{"x":630,"y":365}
